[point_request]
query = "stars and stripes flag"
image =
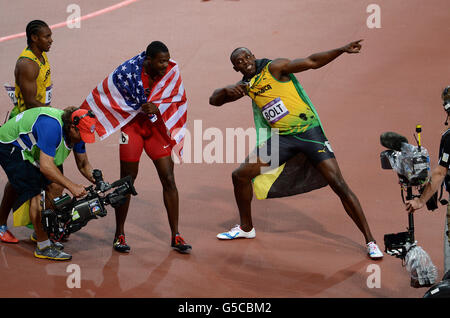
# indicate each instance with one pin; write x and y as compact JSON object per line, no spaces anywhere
{"x":118,"y":99}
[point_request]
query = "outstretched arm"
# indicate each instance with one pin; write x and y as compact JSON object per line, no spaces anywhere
{"x":283,"y":67}
{"x":228,"y":94}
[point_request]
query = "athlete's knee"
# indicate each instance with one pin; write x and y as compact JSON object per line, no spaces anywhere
{"x":339,"y":186}
{"x":129,"y":169}
{"x":35,"y":207}
{"x":246,"y":172}
{"x":168,"y":182}
{"x":122,"y":209}
{"x":238,"y":176}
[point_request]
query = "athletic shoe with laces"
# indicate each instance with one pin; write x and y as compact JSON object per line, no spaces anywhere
{"x":51,"y":252}
{"x":58,"y":245}
{"x":235,"y":233}
{"x":373,"y":250}
{"x":120,"y":244}
{"x":180,"y":245}
{"x":6,"y":236}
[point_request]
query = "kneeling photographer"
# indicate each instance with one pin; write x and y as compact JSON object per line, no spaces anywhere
{"x":31,"y":146}
{"x":439,"y":174}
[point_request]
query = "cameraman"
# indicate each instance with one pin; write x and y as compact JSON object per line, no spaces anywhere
{"x":32,"y":145}
{"x":439,"y":174}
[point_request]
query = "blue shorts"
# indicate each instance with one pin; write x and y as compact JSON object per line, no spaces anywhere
{"x":26,"y":179}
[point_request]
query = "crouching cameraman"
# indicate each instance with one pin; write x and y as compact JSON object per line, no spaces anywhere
{"x":439,"y":175}
{"x":32,"y":145}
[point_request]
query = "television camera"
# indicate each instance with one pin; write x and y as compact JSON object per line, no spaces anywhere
{"x":69,"y":215}
{"x":412,"y":165}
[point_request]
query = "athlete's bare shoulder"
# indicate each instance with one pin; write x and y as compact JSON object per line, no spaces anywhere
{"x":27,"y":67}
{"x":277,"y":68}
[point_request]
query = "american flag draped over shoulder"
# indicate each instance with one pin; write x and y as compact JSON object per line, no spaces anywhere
{"x":118,"y":98}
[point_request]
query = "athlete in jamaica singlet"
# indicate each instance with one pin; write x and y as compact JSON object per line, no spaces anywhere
{"x":43,"y":83}
{"x":33,"y":88}
{"x":281,"y":104}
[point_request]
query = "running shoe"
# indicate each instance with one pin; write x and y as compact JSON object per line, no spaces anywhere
{"x":235,"y":233}
{"x":51,"y":252}
{"x":120,"y":244}
{"x":373,"y":251}
{"x":58,"y":245}
{"x":180,"y":245}
{"x":6,"y":236}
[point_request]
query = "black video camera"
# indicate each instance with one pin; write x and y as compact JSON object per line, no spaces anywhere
{"x":70,"y":214}
{"x":411,"y":163}
{"x":412,"y":166}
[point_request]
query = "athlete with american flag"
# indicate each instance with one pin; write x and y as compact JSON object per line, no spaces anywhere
{"x":145,"y":98}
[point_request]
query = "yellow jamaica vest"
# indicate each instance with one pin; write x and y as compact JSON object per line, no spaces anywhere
{"x":43,"y":83}
{"x":280,"y":104}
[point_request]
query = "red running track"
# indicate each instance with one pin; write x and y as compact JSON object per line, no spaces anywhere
{"x":306,"y":245}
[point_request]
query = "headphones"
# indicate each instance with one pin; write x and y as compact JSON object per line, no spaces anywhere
{"x":446,"y":104}
{"x":446,"y":98}
{"x":76,"y":120}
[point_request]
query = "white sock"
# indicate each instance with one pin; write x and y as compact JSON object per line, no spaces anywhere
{"x":43,"y":244}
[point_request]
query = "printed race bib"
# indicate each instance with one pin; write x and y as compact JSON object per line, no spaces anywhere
{"x":10,"y":90}
{"x":48,"y":95}
{"x":123,"y":138}
{"x":274,"y":111}
{"x":153,"y":118}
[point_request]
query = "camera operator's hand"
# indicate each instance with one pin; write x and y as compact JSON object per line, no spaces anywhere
{"x":414,"y":204}
{"x":437,"y":177}
{"x":77,"y":190}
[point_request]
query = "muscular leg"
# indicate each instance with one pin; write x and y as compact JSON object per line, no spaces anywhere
{"x":330,"y":170}
{"x":126,"y":168}
{"x":47,"y":249}
{"x":35,"y":216}
{"x":9,"y":197}
{"x":164,"y":167}
{"x":243,"y":191}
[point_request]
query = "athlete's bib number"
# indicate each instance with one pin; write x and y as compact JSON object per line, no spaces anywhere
{"x":123,"y":138}
{"x":10,"y":90}
{"x":274,"y":111}
{"x":48,"y":95}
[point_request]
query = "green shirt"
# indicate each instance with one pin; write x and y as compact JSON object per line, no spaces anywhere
{"x":23,"y":124}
